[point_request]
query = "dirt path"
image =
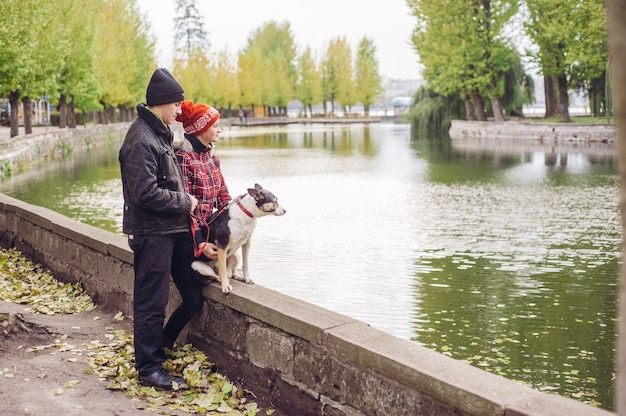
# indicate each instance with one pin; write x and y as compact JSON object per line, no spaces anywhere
{"x":43,"y":382}
{"x":43,"y":369}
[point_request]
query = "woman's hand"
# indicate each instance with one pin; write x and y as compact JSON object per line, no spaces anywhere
{"x":209,"y":250}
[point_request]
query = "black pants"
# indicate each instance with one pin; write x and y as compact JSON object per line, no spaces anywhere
{"x":155,"y":259}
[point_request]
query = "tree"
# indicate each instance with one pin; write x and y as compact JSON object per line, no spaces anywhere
{"x":276,"y":54}
{"x":337,"y":81}
{"x":546,"y":28}
{"x":249,"y":76}
{"x":441,"y":38}
{"x":189,"y":33}
{"x":226,"y":87}
{"x":192,"y":71}
{"x":125,"y":57}
{"x":26,"y":56}
{"x":367,"y":77}
{"x":464,"y":50}
{"x":77,"y":86}
{"x":490,"y":18}
{"x":308,"y":87}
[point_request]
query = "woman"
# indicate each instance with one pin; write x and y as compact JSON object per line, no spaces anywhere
{"x":202,"y":171}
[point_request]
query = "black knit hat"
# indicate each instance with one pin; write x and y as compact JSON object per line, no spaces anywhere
{"x":163,"y":88}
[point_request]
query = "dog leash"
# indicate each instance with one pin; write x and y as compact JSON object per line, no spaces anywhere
{"x":197,"y":222}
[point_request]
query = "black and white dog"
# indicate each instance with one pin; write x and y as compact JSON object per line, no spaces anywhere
{"x":232,"y":229}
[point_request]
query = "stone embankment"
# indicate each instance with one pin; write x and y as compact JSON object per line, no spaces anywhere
{"x":531,"y":130}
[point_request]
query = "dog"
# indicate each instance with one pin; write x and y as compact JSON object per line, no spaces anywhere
{"x":232,"y":229}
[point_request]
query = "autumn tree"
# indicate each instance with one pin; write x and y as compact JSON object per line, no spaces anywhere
{"x":27,"y":56}
{"x":308,"y":87}
{"x":275,"y":50}
{"x":226,"y":83}
{"x":367,"y":77}
{"x":125,"y":54}
{"x":75,"y":21}
{"x":337,"y":77}
{"x":250,"y":63}
{"x":192,"y":71}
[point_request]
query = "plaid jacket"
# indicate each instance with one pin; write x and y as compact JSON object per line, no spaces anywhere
{"x":202,"y":175}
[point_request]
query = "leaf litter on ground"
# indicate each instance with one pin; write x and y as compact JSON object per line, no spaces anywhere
{"x":207,"y":392}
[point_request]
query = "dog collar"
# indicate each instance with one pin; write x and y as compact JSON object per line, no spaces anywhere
{"x":245,"y":211}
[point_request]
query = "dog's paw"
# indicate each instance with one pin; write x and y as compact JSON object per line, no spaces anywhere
{"x":226,"y":287}
{"x":240,"y":277}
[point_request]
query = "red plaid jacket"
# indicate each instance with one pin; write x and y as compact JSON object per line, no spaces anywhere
{"x":203,"y":178}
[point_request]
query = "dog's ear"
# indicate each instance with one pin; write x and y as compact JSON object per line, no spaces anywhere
{"x":257,"y":186}
{"x":255,"y":193}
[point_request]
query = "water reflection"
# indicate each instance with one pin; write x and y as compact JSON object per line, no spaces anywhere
{"x":504,"y":255}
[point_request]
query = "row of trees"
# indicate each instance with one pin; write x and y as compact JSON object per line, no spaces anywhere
{"x":270,"y":73}
{"x":98,"y":55}
{"x":470,"y":51}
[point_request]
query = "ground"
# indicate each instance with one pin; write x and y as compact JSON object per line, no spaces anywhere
{"x":56,"y":380}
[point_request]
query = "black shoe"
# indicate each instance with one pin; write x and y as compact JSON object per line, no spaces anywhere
{"x":162,"y":380}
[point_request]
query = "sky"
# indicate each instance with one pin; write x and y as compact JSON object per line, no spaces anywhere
{"x":313,"y":24}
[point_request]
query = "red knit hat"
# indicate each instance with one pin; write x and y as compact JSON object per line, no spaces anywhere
{"x":197,"y":118}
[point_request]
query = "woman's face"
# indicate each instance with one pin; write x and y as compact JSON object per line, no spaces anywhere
{"x":212,"y":134}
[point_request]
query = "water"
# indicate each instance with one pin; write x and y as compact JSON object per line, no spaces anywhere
{"x":504,"y":255}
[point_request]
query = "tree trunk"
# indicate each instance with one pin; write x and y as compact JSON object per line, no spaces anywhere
{"x":552,"y":104}
{"x":617,"y":53}
{"x":469,"y":110}
{"x":111,"y":115}
{"x":496,"y":107}
{"x":479,"y":107}
{"x":563,"y":99}
{"x":62,"y":111}
{"x":14,"y":102}
{"x":28,"y":115}
{"x":71,"y":115}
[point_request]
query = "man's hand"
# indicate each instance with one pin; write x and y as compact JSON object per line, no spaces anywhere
{"x":194,"y":203}
{"x":209,"y":250}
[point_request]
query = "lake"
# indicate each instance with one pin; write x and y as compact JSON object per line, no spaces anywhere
{"x":502,"y":254}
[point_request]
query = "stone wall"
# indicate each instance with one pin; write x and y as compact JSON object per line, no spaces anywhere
{"x":46,"y":143}
{"x":306,"y":359}
{"x":528,"y":130}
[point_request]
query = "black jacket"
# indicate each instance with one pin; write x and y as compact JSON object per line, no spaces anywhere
{"x":155,"y":201}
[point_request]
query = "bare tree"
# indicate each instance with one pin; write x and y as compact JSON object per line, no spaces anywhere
{"x":189,"y":31}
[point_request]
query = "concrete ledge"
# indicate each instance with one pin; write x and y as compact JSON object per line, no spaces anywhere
{"x":307,"y":360}
{"x":528,"y":130}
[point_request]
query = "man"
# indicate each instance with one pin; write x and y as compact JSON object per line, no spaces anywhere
{"x":156,"y":220}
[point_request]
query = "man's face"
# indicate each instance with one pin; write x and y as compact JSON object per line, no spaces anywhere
{"x":168,"y":112}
